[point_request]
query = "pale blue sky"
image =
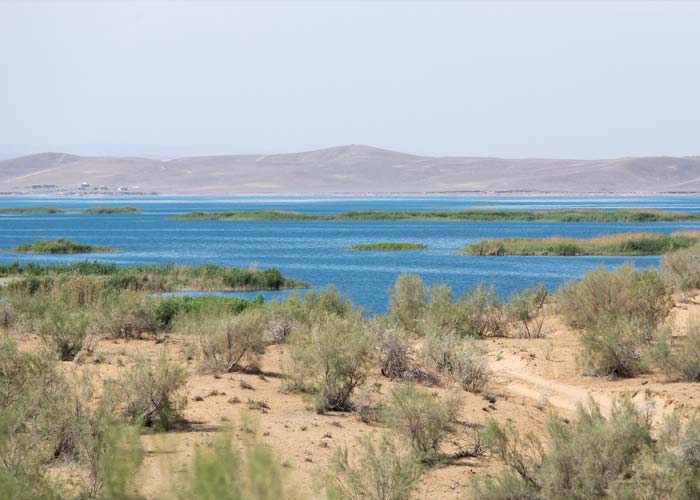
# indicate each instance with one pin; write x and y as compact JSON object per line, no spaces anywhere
{"x":585,"y":80}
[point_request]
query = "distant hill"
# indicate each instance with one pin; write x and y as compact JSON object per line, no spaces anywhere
{"x":346,"y":170}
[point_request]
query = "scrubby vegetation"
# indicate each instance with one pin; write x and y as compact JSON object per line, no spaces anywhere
{"x":60,"y":246}
{"x":619,"y":244}
{"x":574,"y":215}
{"x":107,"y":210}
{"x":153,"y":278}
{"x":387,"y":246}
{"x":595,"y":457}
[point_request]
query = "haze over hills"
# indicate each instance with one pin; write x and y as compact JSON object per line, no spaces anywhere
{"x":353,"y":169}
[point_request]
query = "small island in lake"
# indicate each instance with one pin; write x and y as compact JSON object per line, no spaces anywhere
{"x":60,"y":246}
{"x":387,"y":246}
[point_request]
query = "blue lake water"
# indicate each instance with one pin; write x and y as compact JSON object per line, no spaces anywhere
{"x":314,"y":251}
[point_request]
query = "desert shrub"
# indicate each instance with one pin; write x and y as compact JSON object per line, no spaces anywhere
{"x":128,"y":316}
{"x":469,"y":368}
{"x":526,"y":310}
{"x":8,"y":315}
{"x":476,"y":313}
{"x":222,"y":472}
{"x":394,"y":355}
{"x":63,"y":330}
{"x":624,"y":293}
{"x":583,"y":459}
{"x":462,"y":360}
{"x":167,"y":309}
{"x":407,"y":301}
{"x":682,"y":360}
{"x":381,"y":471}
{"x":228,"y":342}
{"x":149,"y":393}
{"x":423,"y":419}
{"x":681,"y":269}
{"x":367,"y":405}
{"x":614,"y":347}
{"x":331,"y":360}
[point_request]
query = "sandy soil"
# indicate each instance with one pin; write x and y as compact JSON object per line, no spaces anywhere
{"x":532,"y":378}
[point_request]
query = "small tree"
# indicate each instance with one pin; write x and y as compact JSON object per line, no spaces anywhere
{"x":526,"y":310}
{"x":423,"y":419}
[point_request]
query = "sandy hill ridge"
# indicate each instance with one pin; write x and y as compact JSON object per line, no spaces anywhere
{"x":349,"y":169}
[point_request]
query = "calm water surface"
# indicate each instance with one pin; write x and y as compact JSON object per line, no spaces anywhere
{"x":313,"y":251}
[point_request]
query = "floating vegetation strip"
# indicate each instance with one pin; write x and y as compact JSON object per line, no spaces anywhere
{"x":155,"y":278}
{"x":577,"y":215}
{"x":60,"y":246}
{"x":107,"y":210}
{"x":387,"y":246}
{"x":619,"y":244}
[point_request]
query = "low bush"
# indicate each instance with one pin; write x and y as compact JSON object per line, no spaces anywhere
{"x":230,"y":342}
{"x":614,"y":347}
{"x":423,"y":419}
{"x":639,"y":296}
{"x":681,"y":269}
{"x":381,"y":471}
{"x":464,"y":361}
{"x":525,"y":310}
{"x":222,"y":472}
{"x":63,"y":330}
{"x":167,"y":309}
{"x":128,"y":316}
{"x":407,"y":301}
{"x":394,"y":355}
{"x":331,"y":360}
{"x":581,"y":460}
{"x":149,"y":394}
{"x":678,"y":360}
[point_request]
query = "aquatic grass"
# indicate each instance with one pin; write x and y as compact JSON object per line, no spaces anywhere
{"x":628,"y":244}
{"x":100,"y":210}
{"x":149,"y":278}
{"x":387,"y":246}
{"x":478,"y":215}
{"x":60,"y":246}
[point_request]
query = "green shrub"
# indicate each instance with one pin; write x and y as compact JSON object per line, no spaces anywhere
{"x":330,"y":360}
{"x":128,"y":316}
{"x":381,"y":471}
{"x":476,"y":313}
{"x":582,"y":460}
{"x":464,"y":361}
{"x":682,"y":360}
{"x":167,"y":309}
{"x":423,"y":419}
{"x":640,"y":296}
{"x":407,"y":301}
{"x":63,"y":330}
{"x":526,"y":310}
{"x":614,"y":347}
{"x":228,"y":342}
{"x":149,"y":394}
{"x":221,"y":472}
{"x":394,"y":355}
{"x":681,"y":269}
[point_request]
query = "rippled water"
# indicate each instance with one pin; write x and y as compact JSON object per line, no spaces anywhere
{"x":314,"y":251}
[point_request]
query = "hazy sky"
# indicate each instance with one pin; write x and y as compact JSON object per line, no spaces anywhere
{"x":586,"y":80}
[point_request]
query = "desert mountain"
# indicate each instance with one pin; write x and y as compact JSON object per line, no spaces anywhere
{"x":348,"y":169}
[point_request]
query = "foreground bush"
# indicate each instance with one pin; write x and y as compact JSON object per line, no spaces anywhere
{"x":63,"y":330}
{"x":149,"y":394}
{"x":230,"y":342}
{"x":614,"y":347}
{"x":464,"y":361}
{"x":330,"y":360}
{"x":681,"y":269}
{"x":407,"y":301}
{"x":128,"y":316}
{"x":422,"y":419}
{"x":476,"y":313}
{"x":581,"y":460}
{"x":222,"y":472}
{"x":679,"y":360}
{"x":639,"y":296}
{"x":525,"y":310}
{"x":381,"y":471}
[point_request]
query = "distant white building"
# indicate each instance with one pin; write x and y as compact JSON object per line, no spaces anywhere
{"x":84,"y":185}
{"x":122,"y":188}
